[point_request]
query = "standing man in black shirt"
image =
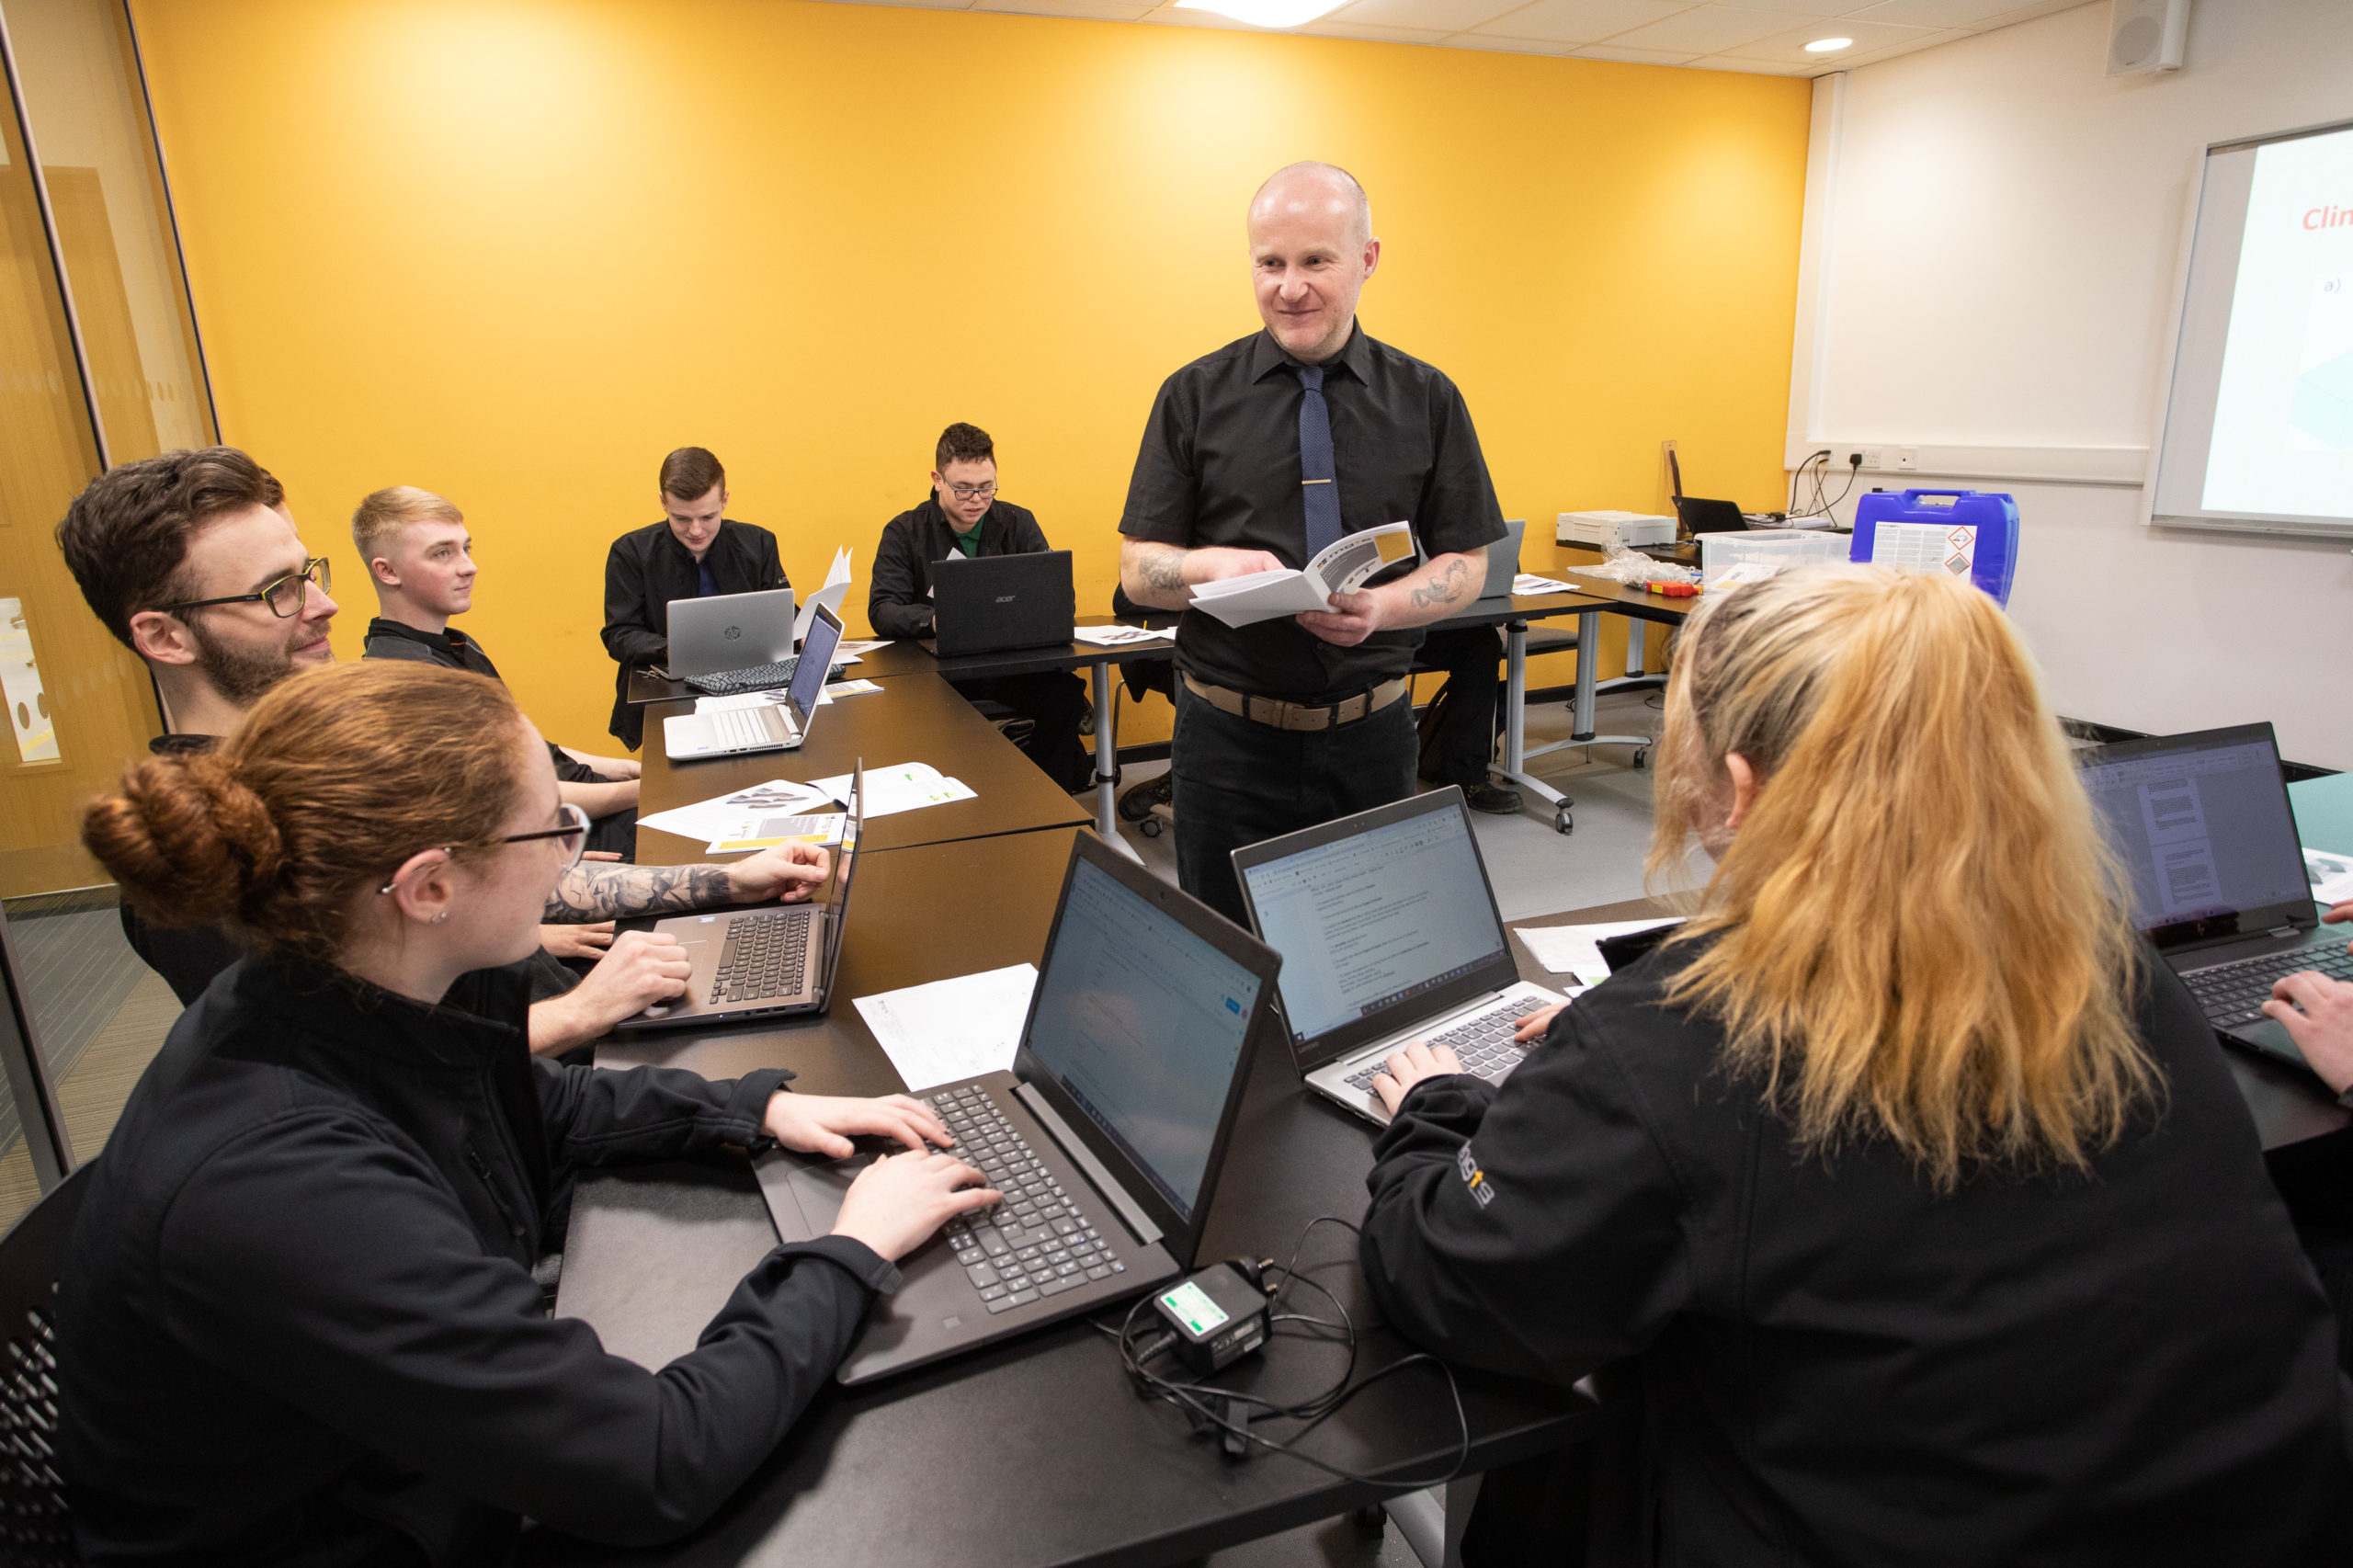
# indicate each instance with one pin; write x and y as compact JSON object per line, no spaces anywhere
{"x":964,"y":516}
{"x":694,"y":551}
{"x":1257,"y":457}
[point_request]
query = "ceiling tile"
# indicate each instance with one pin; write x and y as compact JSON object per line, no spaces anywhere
{"x":1633,"y":56}
{"x":1092,"y":10}
{"x":1753,"y":67}
{"x":1800,"y":7}
{"x":2028,"y":13}
{"x":1333,"y":28}
{"x":1579,"y":21}
{"x":1878,"y":53}
{"x":1933,"y":12}
{"x":1438,"y":15}
{"x":1552,"y":47}
{"x":1790,"y":46}
{"x":1706,"y":29}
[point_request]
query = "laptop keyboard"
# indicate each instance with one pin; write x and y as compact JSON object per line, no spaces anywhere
{"x":766,"y":956}
{"x":739,"y":729}
{"x":756,"y":677}
{"x":2234,"y":994}
{"x":1482,"y":1041}
{"x":1037,"y":1243}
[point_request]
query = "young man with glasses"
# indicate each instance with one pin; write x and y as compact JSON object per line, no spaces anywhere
{"x":964,"y":517}
{"x":192,"y":561}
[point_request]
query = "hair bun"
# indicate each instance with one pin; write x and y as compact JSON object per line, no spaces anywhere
{"x":188,"y":841}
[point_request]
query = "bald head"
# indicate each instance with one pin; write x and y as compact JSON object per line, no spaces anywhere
{"x":1311,"y":250}
{"x":1310,"y":188}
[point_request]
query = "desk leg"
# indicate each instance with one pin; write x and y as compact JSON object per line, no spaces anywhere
{"x":1107,"y":764}
{"x":1589,"y":667}
{"x":1515,"y":766}
{"x":1633,"y":647}
{"x":1515,"y":753}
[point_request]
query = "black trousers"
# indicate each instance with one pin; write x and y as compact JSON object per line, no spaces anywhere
{"x":1464,"y":746}
{"x":1054,"y":701}
{"x":1238,"y":783}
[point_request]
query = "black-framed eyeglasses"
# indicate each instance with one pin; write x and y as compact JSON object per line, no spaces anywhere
{"x":284,"y":596}
{"x":575,"y":829}
{"x":973,"y":492}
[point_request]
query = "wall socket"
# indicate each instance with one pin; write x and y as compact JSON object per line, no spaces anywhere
{"x":1907,"y":460}
{"x":1871,"y":458}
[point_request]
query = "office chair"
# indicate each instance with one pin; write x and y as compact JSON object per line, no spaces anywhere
{"x":36,"y":1529}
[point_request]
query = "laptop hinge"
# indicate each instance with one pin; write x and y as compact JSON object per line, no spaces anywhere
{"x":1083,"y":1158}
{"x":2286,"y":931}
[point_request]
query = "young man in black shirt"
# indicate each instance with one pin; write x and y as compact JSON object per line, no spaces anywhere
{"x":1257,"y":456}
{"x":420,"y":560}
{"x":191,"y":560}
{"x":694,"y":552}
{"x":964,"y":516}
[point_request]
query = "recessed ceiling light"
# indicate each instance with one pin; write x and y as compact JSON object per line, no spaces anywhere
{"x":1264,"y":13}
{"x":1827,"y":45}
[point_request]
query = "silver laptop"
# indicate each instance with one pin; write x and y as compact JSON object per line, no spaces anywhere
{"x":1105,"y":1138}
{"x":1389,"y":933}
{"x":728,"y":631}
{"x":770,"y":726}
{"x":760,"y":963}
{"x":1503,"y":561}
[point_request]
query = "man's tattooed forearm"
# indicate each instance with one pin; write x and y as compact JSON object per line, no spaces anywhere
{"x":594,"y":891}
{"x":1443,"y":585}
{"x":1163,"y":568}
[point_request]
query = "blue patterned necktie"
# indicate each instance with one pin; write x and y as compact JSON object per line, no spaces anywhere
{"x":1319,"y":487}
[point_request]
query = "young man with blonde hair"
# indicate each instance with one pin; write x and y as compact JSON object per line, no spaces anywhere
{"x":420,"y":560}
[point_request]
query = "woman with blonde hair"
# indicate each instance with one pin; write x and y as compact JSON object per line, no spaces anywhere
{"x":1920,"y":1198}
{"x":297,"y":1321}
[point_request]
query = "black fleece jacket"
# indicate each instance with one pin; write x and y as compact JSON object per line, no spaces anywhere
{"x":898,"y":602}
{"x":297,"y":1321}
{"x":1841,"y":1366}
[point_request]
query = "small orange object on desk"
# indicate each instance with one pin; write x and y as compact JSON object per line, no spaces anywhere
{"x":1674,"y":590}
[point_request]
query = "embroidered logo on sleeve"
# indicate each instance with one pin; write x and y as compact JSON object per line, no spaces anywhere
{"x":1483,"y":1192}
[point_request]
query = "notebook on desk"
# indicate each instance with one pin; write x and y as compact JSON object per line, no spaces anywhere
{"x":1105,"y":1138}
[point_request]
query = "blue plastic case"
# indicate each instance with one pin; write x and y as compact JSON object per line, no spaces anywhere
{"x":1971,"y":531}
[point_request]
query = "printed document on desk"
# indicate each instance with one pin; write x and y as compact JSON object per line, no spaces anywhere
{"x":952,"y":1030}
{"x":1576,"y":950}
{"x":836,"y":588}
{"x":1122,"y":636}
{"x":1340,"y":567}
{"x":902,"y":788}
{"x":718,"y":815}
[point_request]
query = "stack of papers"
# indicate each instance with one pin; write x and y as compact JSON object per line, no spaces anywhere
{"x":1575,"y":950}
{"x":848,"y":651}
{"x":2331,"y":875}
{"x":852,"y":688}
{"x":901,"y":788}
{"x":1530,"y":584}
{"x":952,"y":1030}
{"x":1340,"y":567}
{"x":766,"y":833}
{"x":1122,"y":636}
{"x":742,"y":815}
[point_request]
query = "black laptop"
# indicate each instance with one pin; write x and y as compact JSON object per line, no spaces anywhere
{"x":1701,"y":517}
{"x":2203,"y":825}
{"x":1105,"y":1138}
{"x":990,"y":604}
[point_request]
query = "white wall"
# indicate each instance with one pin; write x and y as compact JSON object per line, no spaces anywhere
{"x":1993,"y":256}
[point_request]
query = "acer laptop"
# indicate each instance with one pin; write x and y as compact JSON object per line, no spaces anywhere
{"x":728,"y":631}
{"x":763,"y":963}
{"x":1105,"y":1138}
{"x":1389,"y":933}
{"x":769,"y":726}
{"x":2203,"y":828}
{"x":990,"y":604}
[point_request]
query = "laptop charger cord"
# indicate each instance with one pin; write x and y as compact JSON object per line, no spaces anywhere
{"x":1230,"y":1414}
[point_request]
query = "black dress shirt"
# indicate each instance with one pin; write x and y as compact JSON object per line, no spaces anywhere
{"x":1220,"y":466}
{"x":298,"y":1324}
{"x":898,"y":604}
{"x":645,"y":570}
{"x":453,"y":650}
{"x":1840,"y":1365}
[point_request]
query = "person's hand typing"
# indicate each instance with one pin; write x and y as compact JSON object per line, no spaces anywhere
{"x":896,"y":1203}
{"x":1408,"y":1066}
{"x":2323,"y":1029}
{"x":1531,"y":1028}
{"x":789,"y":871}
{"x":823,"y":1124}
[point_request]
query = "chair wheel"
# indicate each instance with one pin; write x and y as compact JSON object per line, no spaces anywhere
{"x":1149,"y":827}
{"x":1562,"y":822}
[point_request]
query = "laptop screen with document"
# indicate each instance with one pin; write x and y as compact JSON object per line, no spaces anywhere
{"x":1141,"y":1023}
{"x":2202,"y":826}
{"x":816,"y":659}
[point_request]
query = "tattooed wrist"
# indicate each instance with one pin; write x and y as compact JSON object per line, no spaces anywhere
{"x":592,"y":891}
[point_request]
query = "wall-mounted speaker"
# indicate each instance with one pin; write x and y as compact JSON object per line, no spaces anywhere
{"x":2146,"y":35}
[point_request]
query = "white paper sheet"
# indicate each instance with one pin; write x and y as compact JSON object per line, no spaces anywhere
{"x":2331,"y":875}
{"x":952,"y":1030}
{"x":1529,"y":583}
{"x":847,"y":651}
{"x":837,"y":587}
{"x":1340,"y":567}
{"x":1574,"y":950}
{"x":900,"y":788}
{"x":1122,"y":636}
{"x":766,"y":831}
{"x":712,"y":818}
{"x":852,"y":688}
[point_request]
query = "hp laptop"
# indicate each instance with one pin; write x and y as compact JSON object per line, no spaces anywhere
{"x":771,"y":726}
{"x":728,"y":631}
{"x":1503,"y":561}
{"x":2203,"y":825}
{"x":1389,"y":933}
{"x":763,"y":963}
{"x":1105,"y":1138}
{"x":992,"y":603}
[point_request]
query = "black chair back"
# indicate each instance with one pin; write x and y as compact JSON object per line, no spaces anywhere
{"x":36,"y":1529}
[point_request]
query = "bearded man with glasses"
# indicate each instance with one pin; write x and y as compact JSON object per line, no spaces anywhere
{"x":192,"y":561}
{"x":963,"y":515}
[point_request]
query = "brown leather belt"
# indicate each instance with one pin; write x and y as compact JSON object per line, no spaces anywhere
{"x":1281,"y":715}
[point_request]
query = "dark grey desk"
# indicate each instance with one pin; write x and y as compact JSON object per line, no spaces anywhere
{"x":890,"y":659}
{"x":2289,"y":1108}
{"x":913,"y":718}
{"x":1035,"y":1452}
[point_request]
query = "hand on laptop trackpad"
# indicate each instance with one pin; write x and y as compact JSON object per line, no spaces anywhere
{"x":819,"y":1188}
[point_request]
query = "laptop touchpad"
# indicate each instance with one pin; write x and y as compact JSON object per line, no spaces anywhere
{"x":819,"y":1188}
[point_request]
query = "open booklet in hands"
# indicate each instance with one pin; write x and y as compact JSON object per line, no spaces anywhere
{"x":1340,"y":567}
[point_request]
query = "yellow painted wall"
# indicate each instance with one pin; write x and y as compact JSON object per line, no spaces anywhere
{"x":513,"y":251}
